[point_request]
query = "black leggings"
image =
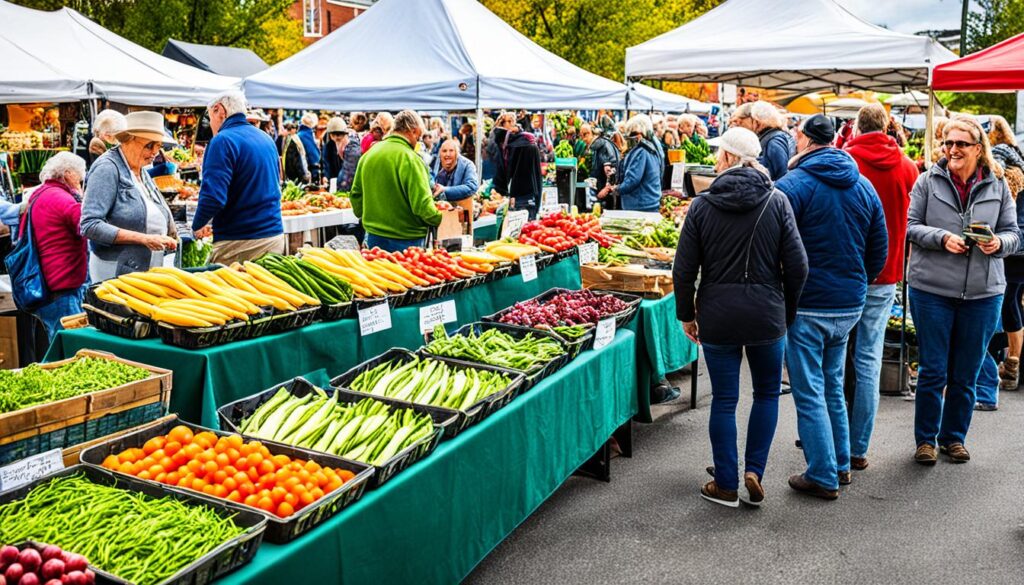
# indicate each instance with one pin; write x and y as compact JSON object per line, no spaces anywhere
{"x":1012,"y":306}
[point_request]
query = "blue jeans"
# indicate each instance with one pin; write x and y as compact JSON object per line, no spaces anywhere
{"x":391,"y":244}
{"x":67,"y":303}
{"x":867,"y":361}
{"x":953,"y":337}
{"x":988,"y":381}
{"x":723,"y":363}
{"x":816,"y":359}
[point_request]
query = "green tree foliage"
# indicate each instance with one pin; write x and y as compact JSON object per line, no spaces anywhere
{"x":989,"y":22}
{"x":594,"y":34}
{"x":261,"y":25}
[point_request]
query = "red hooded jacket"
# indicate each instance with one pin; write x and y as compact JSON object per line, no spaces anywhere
{"x":892,"y":175}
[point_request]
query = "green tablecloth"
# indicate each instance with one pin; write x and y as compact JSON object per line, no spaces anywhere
{"x":436,"y":520}
{"x":661,"y":347}
{"x":206,"y":379}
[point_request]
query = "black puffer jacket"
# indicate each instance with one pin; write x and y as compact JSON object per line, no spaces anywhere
{"x":517,"y":167}
{"x":750,"y":277}
{"x":603,"y":151}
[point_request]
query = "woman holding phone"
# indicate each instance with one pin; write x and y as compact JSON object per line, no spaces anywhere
{"x":962,"y":222}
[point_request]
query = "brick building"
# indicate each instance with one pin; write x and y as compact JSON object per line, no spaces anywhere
{"x":322,"y":17}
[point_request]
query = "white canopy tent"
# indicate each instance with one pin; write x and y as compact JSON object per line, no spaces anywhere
{"x":645,"y":97}
{"x":429,"y":55}
{"x":781,"y":44}
{"x":62,"y":56}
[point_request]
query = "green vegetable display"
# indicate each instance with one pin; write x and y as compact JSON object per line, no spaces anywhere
{"x":698,"y":151}
{"x":195,"y":253}
{"x":34,"y":385}
{"x":640,"y":234}
{"x":292,"y":191}
{"x":307,"y":278}
{"x":429,"y":381}
{"x":139,"y":538}
{"x":613,"y":256}
{"x":497,"y":348}
{"x":571,"y":331}
{"x":369,"y":431}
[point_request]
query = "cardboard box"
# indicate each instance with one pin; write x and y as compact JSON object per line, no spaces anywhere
{"x":453,"y":224}
{"x":631,"y":278}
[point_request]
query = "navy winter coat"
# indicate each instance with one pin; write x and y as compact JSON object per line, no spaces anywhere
{"x":777,"y":147}
{"x":842,"y":226}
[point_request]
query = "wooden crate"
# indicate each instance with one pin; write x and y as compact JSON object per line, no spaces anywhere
{"x":630,"y":278}
{"x":8,"y":342}
{"x":46,"y":418}
{"x":71,"y":454}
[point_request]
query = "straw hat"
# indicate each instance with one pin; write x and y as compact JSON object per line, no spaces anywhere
{"x":146,"y":125}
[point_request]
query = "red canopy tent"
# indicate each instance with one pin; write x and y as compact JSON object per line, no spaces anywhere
{"x":997,"y":68}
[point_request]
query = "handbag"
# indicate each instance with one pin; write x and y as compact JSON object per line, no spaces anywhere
{"x":27,"y":282}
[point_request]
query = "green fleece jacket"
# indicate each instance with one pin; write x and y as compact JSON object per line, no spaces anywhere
{"x":391,"y":192}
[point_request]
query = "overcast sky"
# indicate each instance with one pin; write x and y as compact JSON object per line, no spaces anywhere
{"x":908,"y":16}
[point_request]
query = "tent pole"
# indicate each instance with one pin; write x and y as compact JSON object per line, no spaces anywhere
{"x":479,"y":142}
{"x":929,"y":132}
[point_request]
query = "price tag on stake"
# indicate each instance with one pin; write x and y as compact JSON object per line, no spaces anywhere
{"x":374,"y":318}
{"x":588,"y":253}
{"x":549,"y":197}
{"x":30,"y":469}
{"x":528,"y":266}
{"x":514,"y":222}
{"x":437,"y":314}
{"x":605,"y":332}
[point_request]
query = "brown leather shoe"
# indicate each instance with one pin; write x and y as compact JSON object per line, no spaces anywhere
{"x":1009,"y":374}
{"x":858,"y":463}
{"x":755,"y":491}
{"x":956,"y":452}
{"x":845,"y":478}
{"x":925,"y":454}
{"x":712,"y":493}
{"x":805,"y":486}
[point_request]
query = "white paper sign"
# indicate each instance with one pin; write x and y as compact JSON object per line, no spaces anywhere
{"x":30,"y":469}
{"x":343,"y":243}
{"x":437,"y":314}
{"x":605,"y":332}
{"x":588,"y":253}
{"x":528,"y":265}
{"x":678,"y":170}
{"x":333,"y":185}
{"x":514,"y":222}
{"x":467,"y":241}
{"x":549,"y":197}
{"x":547,"y":210}
{"x":374,"y":318}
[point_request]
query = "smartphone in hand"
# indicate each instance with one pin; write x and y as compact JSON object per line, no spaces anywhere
{"x":979,"y":232}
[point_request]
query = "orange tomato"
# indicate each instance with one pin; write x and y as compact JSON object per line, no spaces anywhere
{"x":195,"y":466}
{"x":222,"y":460}
{"x":111,"y":462}
{"x":246,"y":489}
{"x":291,"y":483}
{"x":234,"y":496}
{"x":235,"y":441}
{"x":253,"y":474}
{"x":305,"y":498}
{"x":127,"y":467}
{"x":265,"y":466}
{"x":155,"y":470}
{"x":220,"y":491}
{"x":251,"y":500}
{"x":229,"y":483}
{"x":167,"y":463}
{"x":281,"y":460}
{"x":291,"y":499}
{"x":157,"y":455}
{"x":180,"y":434}
{"x":153,"y":444}
{"x":185,"y":482}
{"x":333,"y":485}
{"x":209,"y":489}
{"x":210,"y":467}
{"x":192,"y":450}
{"x":144,"y":474}
{"x":254,"y":458}
{"x":147,"y":463}
{"x":266,"y":504}
{"x":160,"y":477}
{"x":320,"y":478}
{"x":317,"y":493}
{"x":205,"y":439}
{"x":221,"y":445}
{"x":172,"y":478}
{"x":285,"y":509}
{"x":198,"y":484}
{"x":180,"y":458}
{"x":219,"y":476}
{"x":278,"y":494}
{"x":312,"y":466}
{"x":171,"y":448}
{"x":240,"y":462}
{"x":207,"y":455}
{"x":241,"y":477}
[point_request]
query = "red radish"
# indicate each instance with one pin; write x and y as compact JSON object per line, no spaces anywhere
{"x":53,"y":582}
{"x":9,"y":554}
{"x":29,"y":579}
{"x":76,"y":578}
{"x":90,"y":577}
{"x":52,"y":569}
{"x":14,"y":573}
{"x":73,"y":562}
{"x":51,"y":552}
{"x":30,"y":559}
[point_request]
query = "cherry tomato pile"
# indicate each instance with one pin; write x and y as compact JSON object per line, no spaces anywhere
{"x":560,"y":231}
{"x":435,"y":265}
{"x":230,"y":468}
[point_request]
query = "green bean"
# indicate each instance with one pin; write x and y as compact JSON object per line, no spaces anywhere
{"x":36,"y":385}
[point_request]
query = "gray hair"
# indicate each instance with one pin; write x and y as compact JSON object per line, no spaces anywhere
{"x":639,"y":124}
{"x":309,"y":119}
{"x":61,"y":163}
{"x":385,"y":121}
{"x":109,"y":122}
{"x":406,"y":121}
{"x":232,"y":100}
{"x":766,"y":115}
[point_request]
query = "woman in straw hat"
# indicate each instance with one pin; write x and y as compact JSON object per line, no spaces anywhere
{"x":124,"y":216}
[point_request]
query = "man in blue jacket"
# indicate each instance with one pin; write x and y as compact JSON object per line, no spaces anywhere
{"x":454,"y":174}
{"x":312,"y":146}
{"x":241,"y":190}
{"x":842,"y":226}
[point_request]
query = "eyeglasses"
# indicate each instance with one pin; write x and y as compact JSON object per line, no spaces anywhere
{"x":949,"y":144}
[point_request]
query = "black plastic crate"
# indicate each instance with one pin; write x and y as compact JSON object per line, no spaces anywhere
{"x":199,"y":337}
{"x":544,"y":259}
{"x":102,"y":577}
{"x":567,"y":253}
{"x":257,"y":325}
{"x":279,"y":530}
{"x":128,"y":327}
{"x":464,"y":418}
{"x":499,"y":272}
{"x":531,"y":377}
{"x":215,"y":564}
{"x":577,"y":345}
{"x":622,"y":318}
{"x":394,"y":300}
{"x":288,"y":320}
{"x":336,"y":311}
{"x":419,"y":294}
{"x":232,"y":414}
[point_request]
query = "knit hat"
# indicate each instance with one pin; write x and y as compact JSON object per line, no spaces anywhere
{"x":738,"y":142}
{"x":336,"y":124}
{"x":819,"y":129}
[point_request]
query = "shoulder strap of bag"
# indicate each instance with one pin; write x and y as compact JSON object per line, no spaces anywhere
{"x":753,"y":232}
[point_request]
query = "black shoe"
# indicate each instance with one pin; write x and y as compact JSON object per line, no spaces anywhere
{"x":799,"y":444}
{"x":845,"y":478}
{"x":663,"y":393}
{"x":985,"y":407}
{"x":711,"y":470}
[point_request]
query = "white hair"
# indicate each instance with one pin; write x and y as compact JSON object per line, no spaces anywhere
{"x":767,"y":115}
{"x":309,"y":119}
{"x":109,"y":122}
{"x":61,"y":163}
{"x":232,"y":100}
{"x":688,"y":119}
{"x":639,"y":124}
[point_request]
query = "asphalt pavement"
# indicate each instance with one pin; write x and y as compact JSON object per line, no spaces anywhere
{"x":897,"y":523}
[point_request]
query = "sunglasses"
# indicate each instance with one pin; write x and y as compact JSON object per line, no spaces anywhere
{"x":958,"y":143}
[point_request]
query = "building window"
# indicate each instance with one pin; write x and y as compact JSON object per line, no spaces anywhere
{"x":311,"y":22}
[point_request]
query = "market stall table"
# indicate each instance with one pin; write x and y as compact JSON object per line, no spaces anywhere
{"x":436,"y":520}
{"x":294,"y":224}
{"x":662,"y":348}
{"x":204,"y":379}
